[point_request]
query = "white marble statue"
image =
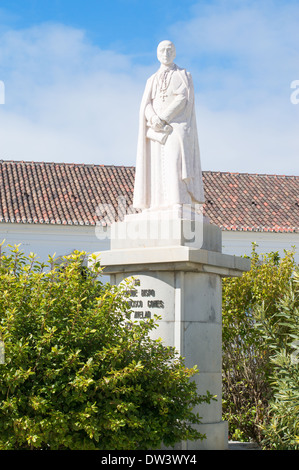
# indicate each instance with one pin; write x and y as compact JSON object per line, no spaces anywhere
{"x":168,"y":168}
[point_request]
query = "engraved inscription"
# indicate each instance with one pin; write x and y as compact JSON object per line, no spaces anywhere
{"x":143,"y":301}
{"x":146,"y":314}
{"x":155,"y":303}
{"x":148,"y":293}
{"x":151,"y":297}
{"x":136,"y":303}
{"x":133,"y":293}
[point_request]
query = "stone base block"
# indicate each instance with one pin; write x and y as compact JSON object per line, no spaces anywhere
{"x":216,"y":438}
{"x":141,"y":233}
{"x":212,"y":382}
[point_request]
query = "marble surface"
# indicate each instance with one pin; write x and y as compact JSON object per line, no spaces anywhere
{"x":168,"y":166}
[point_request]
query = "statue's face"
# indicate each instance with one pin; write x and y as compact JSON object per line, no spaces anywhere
{"x":166,"y":52}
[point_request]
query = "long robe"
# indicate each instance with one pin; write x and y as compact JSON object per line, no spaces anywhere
{"x":169,"y":174}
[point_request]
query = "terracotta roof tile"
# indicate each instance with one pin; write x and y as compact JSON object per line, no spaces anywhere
{"x":253,"y":202}
{"x":61,"y":193}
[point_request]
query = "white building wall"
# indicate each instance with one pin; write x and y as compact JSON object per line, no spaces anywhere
{"x":240,"y":243}
{"x":46,"y":239}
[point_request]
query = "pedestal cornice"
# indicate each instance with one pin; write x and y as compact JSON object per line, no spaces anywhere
{"x":174,"y":258}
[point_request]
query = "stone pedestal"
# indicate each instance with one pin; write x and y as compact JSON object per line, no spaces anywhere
{"x":178,"y":277}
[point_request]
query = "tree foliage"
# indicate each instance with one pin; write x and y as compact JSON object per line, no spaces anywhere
{"x":281,"y":333}
{"x":253,"y":333}
{"x":78,"y":373}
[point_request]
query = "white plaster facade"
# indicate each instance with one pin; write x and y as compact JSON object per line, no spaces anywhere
{"x":47,"y":239}
{"x":240,"y":243}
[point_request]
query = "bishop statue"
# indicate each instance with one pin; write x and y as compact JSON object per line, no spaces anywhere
{"x":168,"y":167}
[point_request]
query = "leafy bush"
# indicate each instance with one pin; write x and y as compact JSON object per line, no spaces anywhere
{"x":281,"y":429}
{"x":247,"y":368}
{"x":78,"y":373}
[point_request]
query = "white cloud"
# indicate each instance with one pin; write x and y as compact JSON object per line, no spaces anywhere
{"x":67,"y":100}
{"x":245,"y":56}
{"x":254,"y":142}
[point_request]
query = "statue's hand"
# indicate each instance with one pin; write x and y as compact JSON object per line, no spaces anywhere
{"x":157,"y":123}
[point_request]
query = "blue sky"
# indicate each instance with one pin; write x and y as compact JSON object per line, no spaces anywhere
{"x":74,"y":73}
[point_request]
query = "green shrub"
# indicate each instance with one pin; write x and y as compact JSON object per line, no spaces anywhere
{"x":247,"y":368}
{"x":78,"y":373}
{"x":281,"y":429}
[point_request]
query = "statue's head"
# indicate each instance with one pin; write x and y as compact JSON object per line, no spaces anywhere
{"x":166,"y":52}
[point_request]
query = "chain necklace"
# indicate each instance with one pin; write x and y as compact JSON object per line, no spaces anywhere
{"x":164,"y":81}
